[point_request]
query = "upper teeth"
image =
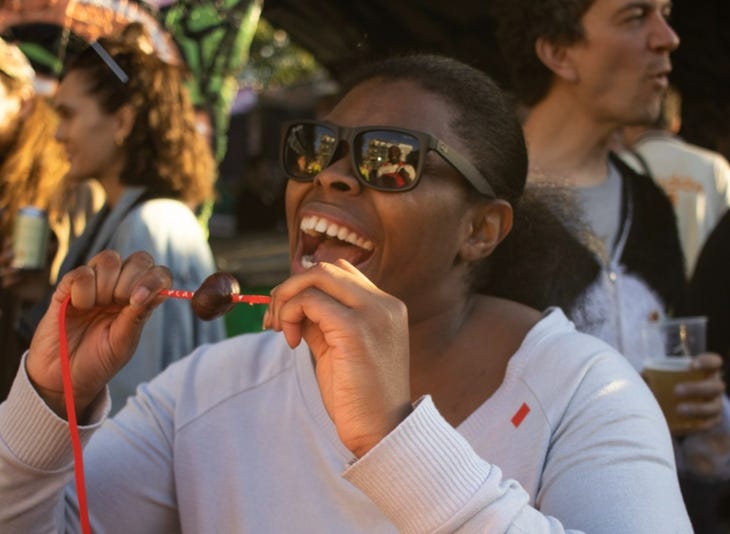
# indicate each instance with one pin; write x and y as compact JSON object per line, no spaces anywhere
{"x":314,"y":225}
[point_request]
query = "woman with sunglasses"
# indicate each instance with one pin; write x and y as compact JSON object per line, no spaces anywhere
{"x":388,"y":394}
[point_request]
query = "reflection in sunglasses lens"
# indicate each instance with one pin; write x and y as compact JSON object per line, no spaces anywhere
{"x":308,"y":150}
{"x":385,"y":159}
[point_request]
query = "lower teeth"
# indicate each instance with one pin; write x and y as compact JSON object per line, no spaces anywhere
{"x":308,"y":261}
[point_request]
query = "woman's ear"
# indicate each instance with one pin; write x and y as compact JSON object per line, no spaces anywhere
{"x":124,"y":122}
{"x":487,"y":227}
{"x":557,"y":58}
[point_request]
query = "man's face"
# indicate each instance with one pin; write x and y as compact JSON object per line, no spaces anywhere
{"x":394,"y":154}
{"x":623,"y":63}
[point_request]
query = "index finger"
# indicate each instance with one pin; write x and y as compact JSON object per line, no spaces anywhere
{"x":140,"y":280}
{"x":710,"y":387}
{"x":340,"y":280}
{"x":707,"y":361}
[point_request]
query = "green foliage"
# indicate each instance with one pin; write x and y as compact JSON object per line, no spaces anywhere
{"x":214,"y":38}
{"x":40,"y":55}
{"x":274,"y":61}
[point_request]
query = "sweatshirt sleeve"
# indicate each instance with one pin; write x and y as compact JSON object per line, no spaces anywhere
{"x":36,"y":463}
{"x":36,"y":459}
{"x":427,"y":478}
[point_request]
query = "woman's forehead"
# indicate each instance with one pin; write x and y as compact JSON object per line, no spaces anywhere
{"x":400,"y":103}
{"x":75,"y":82}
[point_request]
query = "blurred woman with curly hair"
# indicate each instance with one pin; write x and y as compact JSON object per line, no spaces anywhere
{"x":126,"y":119}
{"x":32,"y":167}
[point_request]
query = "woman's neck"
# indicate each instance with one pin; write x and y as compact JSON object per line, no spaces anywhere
{"x":113,"y":187}
{"x":463,"y":368}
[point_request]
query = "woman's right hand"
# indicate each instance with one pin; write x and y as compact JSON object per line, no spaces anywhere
{"x":110,"y":302}
{"x":359,"y":339}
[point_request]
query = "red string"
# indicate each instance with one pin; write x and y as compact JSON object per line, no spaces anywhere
{"x":248,"y":299}
{"x":252,"y":299}
{"x":72,"y":424}
{"x":71,"y":406}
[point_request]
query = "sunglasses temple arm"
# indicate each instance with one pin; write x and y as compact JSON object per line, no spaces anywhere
{"x":464,"y":167}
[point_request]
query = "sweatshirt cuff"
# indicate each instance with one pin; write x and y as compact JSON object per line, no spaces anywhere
{"x":422,"y":473}
{"x":34,"y":434}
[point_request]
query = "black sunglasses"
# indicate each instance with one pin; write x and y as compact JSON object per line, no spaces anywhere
{"x":383,"y":157}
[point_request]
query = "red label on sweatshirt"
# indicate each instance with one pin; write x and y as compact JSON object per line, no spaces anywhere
{"x":520,"y":415}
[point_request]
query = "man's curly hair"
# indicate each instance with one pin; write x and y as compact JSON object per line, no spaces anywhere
{"x":165,"y":152}
{"x":520,"y":23}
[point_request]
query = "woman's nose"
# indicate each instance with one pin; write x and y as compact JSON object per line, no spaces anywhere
{"x":339,"y":174}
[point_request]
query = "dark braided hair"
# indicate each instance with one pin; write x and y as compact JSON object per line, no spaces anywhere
{"x":540,"y":263}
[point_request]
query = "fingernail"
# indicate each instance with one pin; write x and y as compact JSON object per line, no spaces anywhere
{"x":139,"y":295}
{"x":265,"y":320}
{"x":680,"y":390}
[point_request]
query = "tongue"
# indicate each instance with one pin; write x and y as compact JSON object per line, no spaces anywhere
{"x":330,"y":250}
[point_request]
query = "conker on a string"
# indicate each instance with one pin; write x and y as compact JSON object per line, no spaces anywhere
{"x":214,"y":297}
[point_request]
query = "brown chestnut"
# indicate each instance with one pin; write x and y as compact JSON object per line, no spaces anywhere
{"x":214,"y":297}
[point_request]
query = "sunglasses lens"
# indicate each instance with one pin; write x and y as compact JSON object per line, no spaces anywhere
{"x":307,"y":149}
{"x":387,"y":160}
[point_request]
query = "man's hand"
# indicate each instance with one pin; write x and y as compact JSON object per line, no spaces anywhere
{"x":702,"y":399}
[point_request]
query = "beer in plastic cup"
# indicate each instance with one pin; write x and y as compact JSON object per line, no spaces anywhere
{"x":662,"y":375}
{"x":669,"y":346}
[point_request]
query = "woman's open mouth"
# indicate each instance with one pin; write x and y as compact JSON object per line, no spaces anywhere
{"x":324,"y":240}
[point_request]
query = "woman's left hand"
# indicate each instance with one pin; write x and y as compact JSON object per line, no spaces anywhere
{"x":358,"y":336}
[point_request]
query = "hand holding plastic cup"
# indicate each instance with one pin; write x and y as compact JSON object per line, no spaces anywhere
{"x":669,"y":347}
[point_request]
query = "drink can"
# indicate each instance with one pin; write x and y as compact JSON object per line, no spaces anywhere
{"x":30,"y":238}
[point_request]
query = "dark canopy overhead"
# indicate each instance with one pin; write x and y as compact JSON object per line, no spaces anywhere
{"x":340,"y":32}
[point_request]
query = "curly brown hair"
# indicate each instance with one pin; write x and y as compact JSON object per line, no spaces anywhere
{"x":165,"y":151}
{"x":33,"y":166}
{"x":520,"y":23}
